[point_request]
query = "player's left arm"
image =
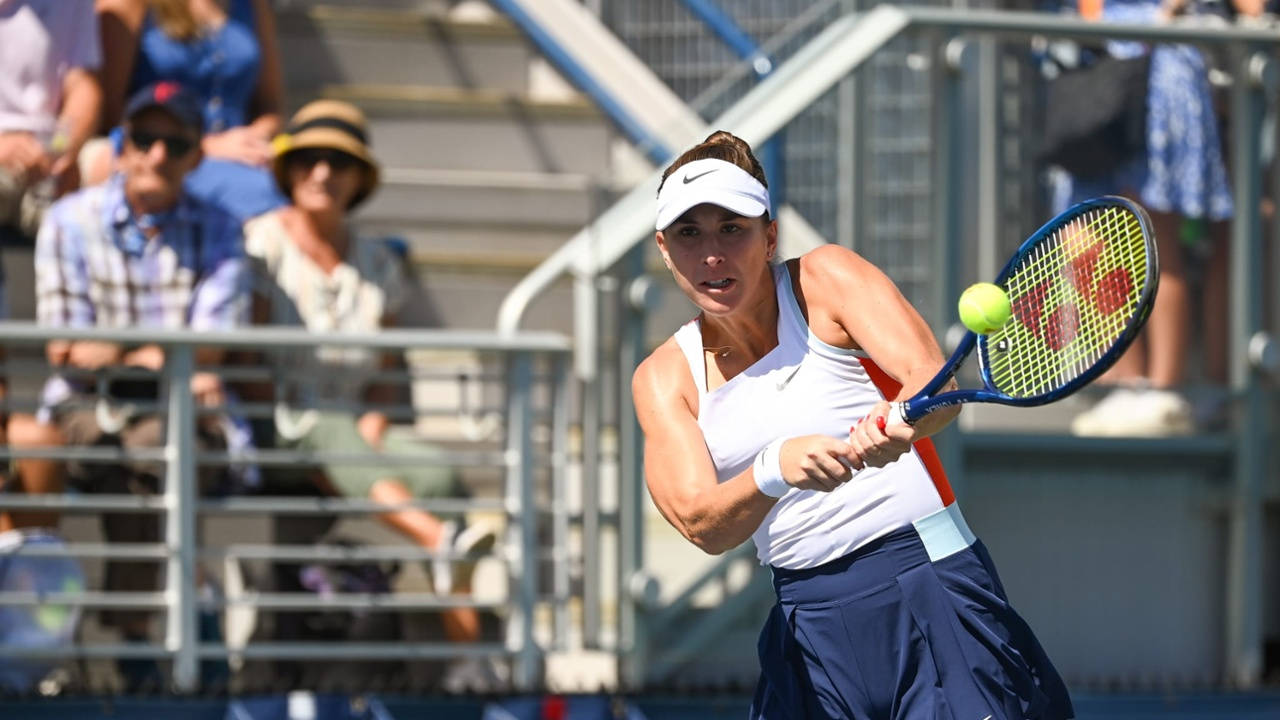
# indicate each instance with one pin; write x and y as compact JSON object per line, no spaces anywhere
{"x":854,"y":304}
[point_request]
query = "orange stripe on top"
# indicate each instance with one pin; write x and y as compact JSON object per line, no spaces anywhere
{"x":924,"y":448}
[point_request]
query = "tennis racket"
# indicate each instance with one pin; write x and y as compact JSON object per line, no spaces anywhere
{"x":1081,"y":288}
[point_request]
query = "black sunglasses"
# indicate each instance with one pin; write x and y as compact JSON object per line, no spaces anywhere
{"x":310,"y":157}
{"x":174,"y":145}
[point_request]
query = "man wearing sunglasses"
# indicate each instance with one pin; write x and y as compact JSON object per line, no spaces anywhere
{"x":136,"y":251}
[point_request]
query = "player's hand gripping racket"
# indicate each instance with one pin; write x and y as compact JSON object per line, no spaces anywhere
{"x":1080,"y":288}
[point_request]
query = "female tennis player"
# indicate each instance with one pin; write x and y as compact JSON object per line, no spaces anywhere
{"x":766,"y":416}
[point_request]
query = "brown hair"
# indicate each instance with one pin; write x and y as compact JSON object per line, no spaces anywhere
{"x":176,"y":19}
{"x":720,"y":145}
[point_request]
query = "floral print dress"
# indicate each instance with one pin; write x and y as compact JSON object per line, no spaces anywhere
{"x":1183,"y":170}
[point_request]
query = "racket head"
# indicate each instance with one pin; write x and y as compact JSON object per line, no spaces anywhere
{"x":1081,"y":288}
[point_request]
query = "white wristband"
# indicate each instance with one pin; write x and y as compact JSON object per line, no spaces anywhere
{"x":767,"y":470}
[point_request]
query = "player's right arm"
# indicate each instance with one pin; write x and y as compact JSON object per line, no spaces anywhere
{"x":679,"y":472}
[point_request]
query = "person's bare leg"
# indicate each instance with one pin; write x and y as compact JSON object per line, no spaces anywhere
{"x":1167,"y":331}
{"x":1216,"y":318}
{"x":1131,"y":367}
{"x":460,"y":624}
{"x":421,"y":526}
{"x":34,"y":476}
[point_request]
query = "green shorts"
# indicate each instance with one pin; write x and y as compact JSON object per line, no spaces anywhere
{"x":336,"y":432}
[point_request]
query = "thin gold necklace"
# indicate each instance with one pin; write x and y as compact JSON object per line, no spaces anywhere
{"x":719,"y":351}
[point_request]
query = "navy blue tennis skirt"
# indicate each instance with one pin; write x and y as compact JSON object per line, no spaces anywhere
{"x":886,"y":633}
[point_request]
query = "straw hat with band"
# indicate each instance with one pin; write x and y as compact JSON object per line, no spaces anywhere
{"x":331,"y":125}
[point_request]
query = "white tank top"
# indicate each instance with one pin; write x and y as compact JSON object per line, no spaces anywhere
{"x":806,"y":387}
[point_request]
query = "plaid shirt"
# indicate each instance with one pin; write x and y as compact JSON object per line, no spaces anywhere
{"x":95,"y":267}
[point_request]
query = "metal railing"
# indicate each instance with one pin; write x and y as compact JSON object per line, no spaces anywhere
{"x":533,"y":404}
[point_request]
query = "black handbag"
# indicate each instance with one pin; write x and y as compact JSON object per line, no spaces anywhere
{"x":1096,"y":116}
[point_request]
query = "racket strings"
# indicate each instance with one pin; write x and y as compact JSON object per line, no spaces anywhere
{"x":1065,"y":316}
{"x":1074,"y":296}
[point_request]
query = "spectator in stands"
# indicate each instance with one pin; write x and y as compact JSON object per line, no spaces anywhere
{"x":136,"y":251}
{"x":311,"y":269}
{"x":1180,"y":176}
{"x":224,"y":51}
{"x":50,"y":102}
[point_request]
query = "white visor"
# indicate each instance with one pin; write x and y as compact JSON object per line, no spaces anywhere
{"x":710,"y":181}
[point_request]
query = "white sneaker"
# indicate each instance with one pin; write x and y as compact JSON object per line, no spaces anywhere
{"x":1137,"y":413}
{"x":1098,"y":420}
{"x":1160,"y":413}
{"x":473,"y":542}
{"x":474,"y":675}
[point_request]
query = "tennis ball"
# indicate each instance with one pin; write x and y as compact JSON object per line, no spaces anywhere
{"x":984,"y":308}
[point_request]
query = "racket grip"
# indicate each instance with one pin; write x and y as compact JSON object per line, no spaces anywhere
{"x":895,"y":414}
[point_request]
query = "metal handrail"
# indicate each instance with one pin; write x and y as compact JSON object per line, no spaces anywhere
{"x":181,"y":507}
{"x":260,"y":337}
{"x":302,"y":553}
{"x":275,"y":651}
{"x":238,"y":506}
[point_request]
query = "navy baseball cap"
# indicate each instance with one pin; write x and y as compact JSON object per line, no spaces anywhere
{"x":170,"y":97}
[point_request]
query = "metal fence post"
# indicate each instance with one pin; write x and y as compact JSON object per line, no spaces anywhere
{"x":560,"y":552}
{"x":640,"y":297}
{"x":948,"y":68}
{"x":1243,"y":662}
{"x":180,"y":520}
{"x":522,"y":522}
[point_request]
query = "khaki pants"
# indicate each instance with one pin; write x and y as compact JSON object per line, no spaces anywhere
{"x":132,"y":477}
{"x":336,"y":432}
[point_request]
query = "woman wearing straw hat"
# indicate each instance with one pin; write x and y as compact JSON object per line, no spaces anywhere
{"x":312,"y":270}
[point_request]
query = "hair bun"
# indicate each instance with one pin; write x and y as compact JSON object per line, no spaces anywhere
{"x":721,"y":145}
{"x":724,"y":137}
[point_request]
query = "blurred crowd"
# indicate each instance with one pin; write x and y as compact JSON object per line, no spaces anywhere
{"x":144,"y":155}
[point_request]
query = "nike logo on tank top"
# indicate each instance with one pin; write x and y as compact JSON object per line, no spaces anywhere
{"x":806,"y":387}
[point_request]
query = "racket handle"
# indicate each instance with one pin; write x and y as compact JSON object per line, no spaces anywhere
{"x":895,"y":414}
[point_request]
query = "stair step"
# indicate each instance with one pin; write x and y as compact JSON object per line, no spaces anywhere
{"x":333,"y":44}
{"x":485,"y":130}
{"x":430,"y":242}
{"x":428,"y":197}
{"x":471,"y":299}
{"x":389,"y":100}
{"x":363,"y":18}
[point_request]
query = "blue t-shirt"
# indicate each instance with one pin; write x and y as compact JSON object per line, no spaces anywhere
{"x":222,"y":67}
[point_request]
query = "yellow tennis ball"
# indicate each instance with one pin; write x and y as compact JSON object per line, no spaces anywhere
{"x":984,"y":308}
